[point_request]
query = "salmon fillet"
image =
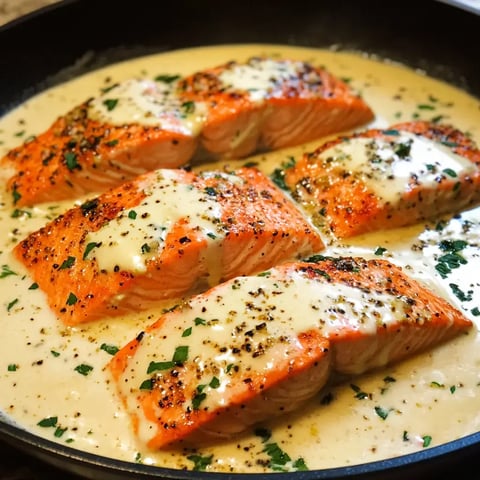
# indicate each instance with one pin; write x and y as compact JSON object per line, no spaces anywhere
{"x":142,"y":125}
{"x":385,"y":178}
{"x":267,"y":104}
{"x":259,"y":346}
{"x":160,"y":236}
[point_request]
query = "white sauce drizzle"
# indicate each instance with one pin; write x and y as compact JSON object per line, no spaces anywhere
{"x":130,"y":242}
{"x":386,"y":172}
{"x":37,"y":367}
{"x":148,"y":103}
{"x":259,"y":77}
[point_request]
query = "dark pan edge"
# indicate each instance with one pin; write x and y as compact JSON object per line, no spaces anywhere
{"x":442,"y":461}
{"x":380,"y":28}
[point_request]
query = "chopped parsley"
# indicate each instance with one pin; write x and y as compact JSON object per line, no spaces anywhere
{"x":359,"y":393}
{"x":71,"y":161}
{"x":68,"y":263}
{"x":6,"y":271}
{"x":90,"y":246}
{"x":147,"y":384}
{"x":165,"y":78}
{"x":110,"y":103}
{"x":48,"y":422}
{"x":187,"y":332}
{"x":460,"y":294}
{"x":198,"y":397}
{"x":110,"y":349}
{"x":427,"y":439}
{"x":16,"y":195}
{"x":188,"y":107}
{"x":449,"y":172}
{"x":214,"y":383}
{"x":424,"y":106}
{"x":158,"y":366}
{"x":402,"y":149}
{"x":72,"y":299}
{"x":279,"y":461}
{"x":83,"y":369}
{"x":200,"y":463}
{"x":59,"y":431}
{"x":17,"y":213}
{"x":12,"y":304}
{"x":452,"y":258}
{"x":180,"y":355}
{"x":382,"y":412}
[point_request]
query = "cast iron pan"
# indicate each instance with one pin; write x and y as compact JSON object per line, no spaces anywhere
{"x":60,"y":42}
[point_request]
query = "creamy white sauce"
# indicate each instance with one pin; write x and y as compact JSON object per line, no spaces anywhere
{"x":262,"y":78}
{"x":138,"y":235}
{"x":148,"y":103}
{"x":387,"y":173}
{"x":436,"y":394}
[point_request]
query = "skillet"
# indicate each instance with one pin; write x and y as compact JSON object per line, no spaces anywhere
{"x":63,"y":41}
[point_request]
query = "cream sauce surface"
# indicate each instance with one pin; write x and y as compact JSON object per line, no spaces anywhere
{"x":387,"y":173}
{"x":52,"y":378}
{"x":148,"y":103}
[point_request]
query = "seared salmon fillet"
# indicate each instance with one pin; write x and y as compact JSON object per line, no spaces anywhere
{"x":161,"y":236}
{"x":142,"y":125}
{"x":259,"y":346}
{"x":267,"y":104}
{"x":385,"y":178}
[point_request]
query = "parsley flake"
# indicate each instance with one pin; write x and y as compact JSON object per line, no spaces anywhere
{"x":6,"y":271}
{"x":200,"y":463}
{"x":83,"y":369}
{"x":110,"y":349}
{"x":147,"y":384}
{"x":158,"y":366}
{"x":71,"y":161}
{"x":90,"y":246}
{"x":427,"y":439}
{"x":382,"y":412}
{"x":68,"y":263}
{"x":180,"y":355}
{"x":110,"y":103}
{"x":165,"y":78}
{"x":187,"y":332}
{"x":48,"y":422}
{"x":72,"y":299}
{"x":12,"y":304}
